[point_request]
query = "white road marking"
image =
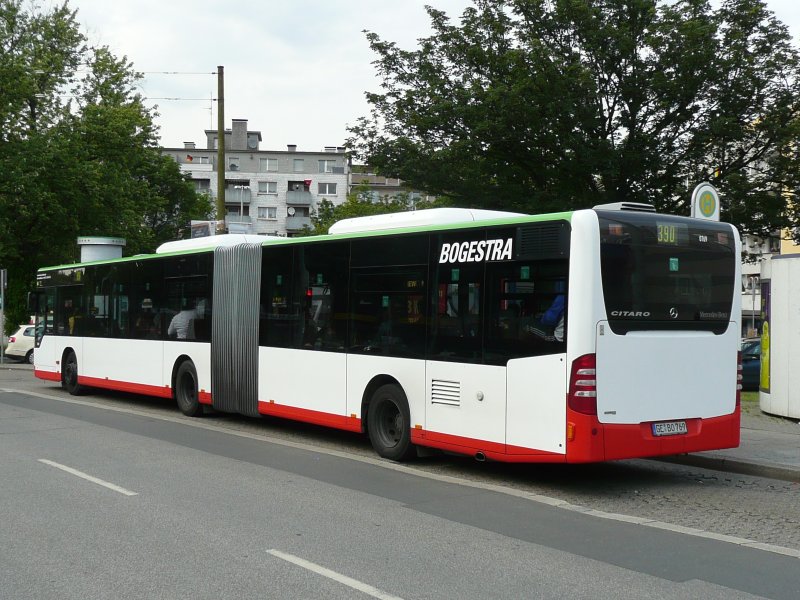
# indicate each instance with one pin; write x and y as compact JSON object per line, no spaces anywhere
{"x":338,"y":577}
{"x":87,"y":477}
{"x":538,"y":498}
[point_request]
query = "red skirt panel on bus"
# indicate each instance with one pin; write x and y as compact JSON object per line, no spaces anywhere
{"x":588,"y":440}
{"x":204,"y":397}
{"x":47,"y":375}
{"x":490,"y":450}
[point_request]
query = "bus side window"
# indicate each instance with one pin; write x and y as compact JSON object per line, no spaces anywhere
{"x":526,"y":305}
{"x":456,"y":329}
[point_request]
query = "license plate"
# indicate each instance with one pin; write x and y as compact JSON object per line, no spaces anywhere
{"x":670,"y":428}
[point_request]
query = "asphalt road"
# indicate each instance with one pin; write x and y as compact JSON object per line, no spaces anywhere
{"x":201,"y":509}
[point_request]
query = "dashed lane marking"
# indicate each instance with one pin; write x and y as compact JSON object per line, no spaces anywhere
{"x":87,"y":477}
{"x":338,"y":577}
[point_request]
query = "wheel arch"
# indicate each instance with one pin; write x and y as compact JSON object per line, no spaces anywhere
{"x":175,"y":366}
{"x":67,"y":350}
{"x":369,"y":391}
{"x":64,"y":353}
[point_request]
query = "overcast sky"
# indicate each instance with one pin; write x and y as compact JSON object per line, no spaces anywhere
{"x":297,"y":70}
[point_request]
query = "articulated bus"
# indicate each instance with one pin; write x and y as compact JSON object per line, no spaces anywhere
{"x":582,"y":336}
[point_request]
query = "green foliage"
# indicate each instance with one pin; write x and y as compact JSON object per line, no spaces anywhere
{"x":361,"y":203}
{"x":78,"y":150}
{"x":536,"y":105}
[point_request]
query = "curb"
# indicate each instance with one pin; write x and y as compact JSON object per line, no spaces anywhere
{"x":731,"y":465}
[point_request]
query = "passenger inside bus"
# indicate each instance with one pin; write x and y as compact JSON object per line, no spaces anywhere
{"x":549,"y":324}
{"x":182,"y":324}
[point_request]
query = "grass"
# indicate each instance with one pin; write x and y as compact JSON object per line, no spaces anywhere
{"x":750,"y":403}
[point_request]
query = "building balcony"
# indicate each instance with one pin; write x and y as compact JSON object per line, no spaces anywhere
{"x":237,"y":224}
{"x":234,"y":197}
{"x":196,"y":167}
{"x":298,"y":198}
{"x":297,"y":223}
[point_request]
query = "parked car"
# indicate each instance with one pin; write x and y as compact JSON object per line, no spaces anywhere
{"x":20,"y":344}
{"x":751,"y":364}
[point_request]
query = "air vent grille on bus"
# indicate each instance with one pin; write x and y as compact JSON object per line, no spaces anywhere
{"x":445,"y":392}
{"x":545,"y":240}
{"x":634,"y":206}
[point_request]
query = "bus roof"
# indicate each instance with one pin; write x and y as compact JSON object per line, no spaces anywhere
{"x":212,"y":241}
{"x":417,"y":218}
{"x":432,"y":219}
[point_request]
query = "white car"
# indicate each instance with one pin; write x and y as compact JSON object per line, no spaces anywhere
{"x":20,"y":344}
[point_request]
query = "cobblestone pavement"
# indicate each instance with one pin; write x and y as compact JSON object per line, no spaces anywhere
{"x":749,"y":506}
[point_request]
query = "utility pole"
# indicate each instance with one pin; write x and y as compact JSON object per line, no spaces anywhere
{"x":221,"y":144}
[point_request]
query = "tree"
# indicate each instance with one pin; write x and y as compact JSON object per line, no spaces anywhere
{"x":537,"y":105}
{"x":78,"y":150}
{"x":361,"y":203}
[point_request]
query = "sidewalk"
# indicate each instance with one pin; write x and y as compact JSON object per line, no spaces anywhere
{"x":769,"y":447}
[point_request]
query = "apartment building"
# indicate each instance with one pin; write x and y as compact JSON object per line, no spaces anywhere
{"x":267,"y":192}
{"x":755,"y":250}
{"x":381,"y":188}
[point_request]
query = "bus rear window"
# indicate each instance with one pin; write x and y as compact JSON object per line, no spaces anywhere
{"x":666,"y":272}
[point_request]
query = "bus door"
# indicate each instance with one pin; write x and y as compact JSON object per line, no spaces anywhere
{"x":303,"y":332}
{"x":465,"y":397}
{"x":42,"y":303}
{"x":526,"y":318}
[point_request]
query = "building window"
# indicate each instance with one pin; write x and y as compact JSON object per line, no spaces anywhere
{"x":204,"y":160}
{"x":202,"y":185}
{"x":267,"y":187}
{"x":297,"y":165}
{"x":326,"y":189}
{"x":233,"y":163}
{"x":267,"y":212}
{"x":326,"y":166}
{"x":268,"y":165}
{"x":233,"y":211}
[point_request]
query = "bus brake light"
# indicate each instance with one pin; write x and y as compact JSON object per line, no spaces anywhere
{"x":582,"y":396}
{"x":739,"y":377}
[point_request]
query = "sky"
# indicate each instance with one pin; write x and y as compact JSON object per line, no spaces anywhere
{"x":297,"y":70}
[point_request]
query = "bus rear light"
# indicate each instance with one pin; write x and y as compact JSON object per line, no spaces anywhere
{"x":739,"y":371}
{"x":582,"y":396}
{"x":739,"y":377}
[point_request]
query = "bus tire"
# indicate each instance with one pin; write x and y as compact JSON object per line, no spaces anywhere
{"x":388,"y":423}
{"x":69,"y":375}
{"x":186,"y":395}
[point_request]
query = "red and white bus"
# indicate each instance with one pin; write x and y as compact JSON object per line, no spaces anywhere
{"x":580,"y":336}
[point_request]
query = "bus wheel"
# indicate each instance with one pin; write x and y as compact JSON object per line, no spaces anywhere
{"x":388,"y":423}
{"x":186,"y":390}
{"x":69,"y":375}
